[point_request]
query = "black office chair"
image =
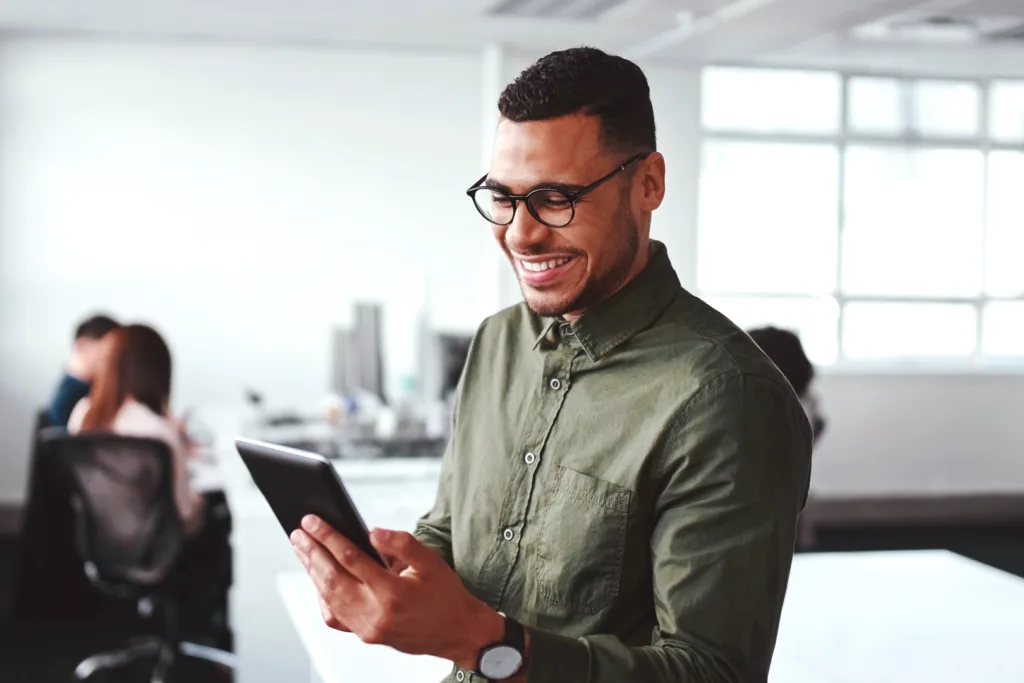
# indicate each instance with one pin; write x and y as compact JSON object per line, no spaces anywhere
{"x":130,"y":536}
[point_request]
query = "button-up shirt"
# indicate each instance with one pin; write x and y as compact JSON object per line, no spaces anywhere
{"x":627,"y":486}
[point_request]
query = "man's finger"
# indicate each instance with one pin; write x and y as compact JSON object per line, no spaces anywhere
{"x":344,"y":552}
{"x":330,"y":579}
{"x":329,"y":618}
{"x":404,"y":547}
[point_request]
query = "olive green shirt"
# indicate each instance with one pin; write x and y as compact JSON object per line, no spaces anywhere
{"x":627,"y":486}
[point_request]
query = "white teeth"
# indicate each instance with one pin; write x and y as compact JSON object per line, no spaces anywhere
{"x":543,"y":265}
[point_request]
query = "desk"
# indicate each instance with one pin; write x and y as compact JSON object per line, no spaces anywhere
{"x":893,"y":617}
{"x":902,"y":616}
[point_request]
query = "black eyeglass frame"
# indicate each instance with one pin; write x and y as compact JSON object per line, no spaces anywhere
{"x":572,"y":195}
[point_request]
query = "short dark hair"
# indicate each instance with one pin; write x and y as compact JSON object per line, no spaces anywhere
{"x":585,"y":80}
{"x":96,"y":327}
{"x":783,"y":347}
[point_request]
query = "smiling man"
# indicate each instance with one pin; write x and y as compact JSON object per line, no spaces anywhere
{"x":619,"y":498}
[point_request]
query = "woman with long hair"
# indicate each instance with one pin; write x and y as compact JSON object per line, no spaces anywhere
{"x":131,"y":396}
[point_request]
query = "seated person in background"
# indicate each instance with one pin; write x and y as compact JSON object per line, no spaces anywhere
{"x":81,"y":367}
{"x":786,"y":351}
{"x":131,"y":396}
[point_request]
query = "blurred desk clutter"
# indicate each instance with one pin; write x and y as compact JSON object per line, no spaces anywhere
{"x":358,"y":418}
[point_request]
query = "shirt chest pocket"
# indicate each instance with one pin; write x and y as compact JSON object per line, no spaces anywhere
{"x":582,"y":540}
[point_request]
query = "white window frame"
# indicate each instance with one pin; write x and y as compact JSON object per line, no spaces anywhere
{"x":844,"y":138}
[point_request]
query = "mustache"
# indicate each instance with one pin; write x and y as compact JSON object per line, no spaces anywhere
{"x":541,"y":251}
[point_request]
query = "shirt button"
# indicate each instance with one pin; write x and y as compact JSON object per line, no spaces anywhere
{"x":509,"y":534}
{"x":530,"y":458}
{"x":555,"y":383}
{"x":460,"y":675}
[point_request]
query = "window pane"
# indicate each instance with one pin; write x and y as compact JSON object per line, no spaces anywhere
{"x":1003,"y":329}
{"x":877,"y":331}
{"x":770,"y":101}
{"x":1004,"y":266}
{"x":768,"y":218}
{"x":945,"y":108}
{"x":815,"y":320}
{"x":913,"y":222}
{"x":1006,"y":111}
{"x":876,"y":105}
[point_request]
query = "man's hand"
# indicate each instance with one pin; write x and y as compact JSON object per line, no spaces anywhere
{"x":419,"y":607}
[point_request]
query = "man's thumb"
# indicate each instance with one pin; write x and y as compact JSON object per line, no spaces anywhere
{"x":401,"y":545}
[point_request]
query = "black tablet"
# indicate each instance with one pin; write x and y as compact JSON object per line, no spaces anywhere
{"x":298,"y":483}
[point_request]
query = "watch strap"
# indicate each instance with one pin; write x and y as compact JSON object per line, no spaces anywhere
{"x":515,"y":635}
{"x":514,"y":638}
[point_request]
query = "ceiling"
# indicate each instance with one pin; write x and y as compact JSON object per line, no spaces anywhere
{"x":872,"y":35}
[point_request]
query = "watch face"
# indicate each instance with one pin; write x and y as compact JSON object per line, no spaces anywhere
{"x":500,"y":661}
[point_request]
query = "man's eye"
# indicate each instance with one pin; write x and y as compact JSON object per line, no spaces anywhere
{"x":500,"y":200}
{"x":555,"y":201}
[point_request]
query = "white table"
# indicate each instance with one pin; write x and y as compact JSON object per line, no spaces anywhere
{"x":892,"y":617}
{"x":340,"y":657}
{"x":901,"y":617}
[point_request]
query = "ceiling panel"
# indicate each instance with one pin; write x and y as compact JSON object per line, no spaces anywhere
{"x":687,"y":32}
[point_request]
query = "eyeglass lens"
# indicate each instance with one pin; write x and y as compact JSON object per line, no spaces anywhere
{"x":551,"y":207}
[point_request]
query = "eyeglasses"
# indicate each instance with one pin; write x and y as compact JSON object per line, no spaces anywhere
{"x":552,"y":206}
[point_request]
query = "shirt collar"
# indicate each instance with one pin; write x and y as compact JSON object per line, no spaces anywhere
{"x":621,"y":316}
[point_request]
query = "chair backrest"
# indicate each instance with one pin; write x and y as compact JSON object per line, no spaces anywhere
{"x":128,"y":530}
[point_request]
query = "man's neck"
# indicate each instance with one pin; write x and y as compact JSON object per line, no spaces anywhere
{"x":642,"y":259}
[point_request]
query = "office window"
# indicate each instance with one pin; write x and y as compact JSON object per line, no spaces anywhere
{"x":1003,"y":330}
{"x":876,"y":106}
{"x":1004,"y":267}
{"x":875,"y":331}
{"x":768,"y":218}
{"x":1006,"y":111}
{"x":914,"y":222}
{"x":945,"y":109}
{"x":893,"y":236}
{"x":816,"y":320}
{"x":770,"y":101}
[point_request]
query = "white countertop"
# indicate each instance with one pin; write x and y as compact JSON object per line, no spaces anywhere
{"x":887,"y":617}
{"x":902,"y":617}
{"x":337,"y":657}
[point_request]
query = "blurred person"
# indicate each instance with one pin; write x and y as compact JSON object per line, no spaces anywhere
{"x":787,"y":352}
{"x":131,"y":396}
{"x":86,"y":356}
{"x":619,"y":497}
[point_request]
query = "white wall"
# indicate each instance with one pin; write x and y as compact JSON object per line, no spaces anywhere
{"x":921,"y":433}
{"x":237,"y":198}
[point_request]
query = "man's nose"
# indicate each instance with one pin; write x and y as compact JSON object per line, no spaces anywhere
{"x":525,"y":231}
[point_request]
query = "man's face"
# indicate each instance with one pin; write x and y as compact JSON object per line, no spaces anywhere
{"x":563,"y":271}
{"x":88,"y":356}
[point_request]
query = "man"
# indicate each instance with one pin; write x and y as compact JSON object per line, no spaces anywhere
{"x":81,"y":368}
{"x":787,"y":352}
{"x":619,"y":498}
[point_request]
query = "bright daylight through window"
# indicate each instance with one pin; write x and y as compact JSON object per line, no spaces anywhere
{"x":880,"y":218}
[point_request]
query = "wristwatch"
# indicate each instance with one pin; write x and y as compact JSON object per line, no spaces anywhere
{"x":504,"y":659}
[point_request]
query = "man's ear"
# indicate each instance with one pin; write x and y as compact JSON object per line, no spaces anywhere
{"x":652,"y":180}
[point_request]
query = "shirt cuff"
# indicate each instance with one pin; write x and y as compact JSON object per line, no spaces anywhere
{"x":556,"y":659}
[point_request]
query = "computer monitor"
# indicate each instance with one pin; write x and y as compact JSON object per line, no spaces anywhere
{"x":453,"y":350}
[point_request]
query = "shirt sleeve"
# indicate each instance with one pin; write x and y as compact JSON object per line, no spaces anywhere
{"x":189,"y":501}
{"x":732,"y":482}
{"x":435,"y":528}
{"x":70,"y":392}
{"x":77,"y":416}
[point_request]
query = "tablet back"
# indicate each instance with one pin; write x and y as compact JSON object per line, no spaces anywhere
{"x":298,"y":483}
